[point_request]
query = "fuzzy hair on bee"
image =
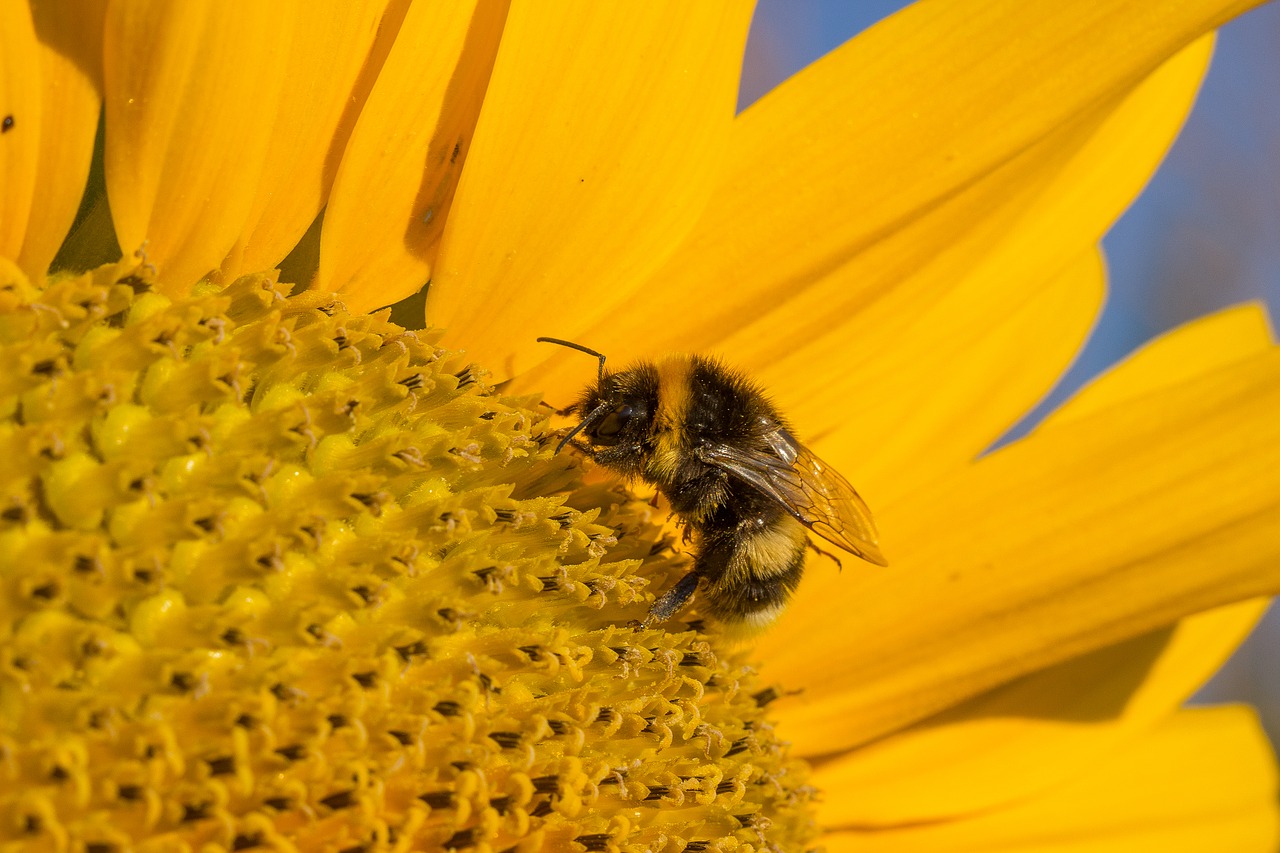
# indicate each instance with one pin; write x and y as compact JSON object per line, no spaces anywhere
{"x":748,"y":493}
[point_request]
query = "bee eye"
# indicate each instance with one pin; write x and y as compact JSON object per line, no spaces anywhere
{"x":613,"y":423}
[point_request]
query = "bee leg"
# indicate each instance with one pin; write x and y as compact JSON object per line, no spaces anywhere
{"x":566,"y":411}
{"x":570,"y":409}
{"x":672,"y":601}
{"x":686,"y":533}
{"x":585,"y":449}
{"x":832,"y":557}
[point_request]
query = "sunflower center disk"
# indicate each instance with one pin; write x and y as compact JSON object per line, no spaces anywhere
{"x":276,"y":572}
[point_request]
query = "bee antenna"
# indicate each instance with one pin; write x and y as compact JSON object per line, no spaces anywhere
{"x":586,"y":422}
{"x":579,"y":348}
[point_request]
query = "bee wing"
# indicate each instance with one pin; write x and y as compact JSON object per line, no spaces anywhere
{"x":807,"y":487}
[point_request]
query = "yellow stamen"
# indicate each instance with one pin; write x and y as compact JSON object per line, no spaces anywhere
{"x":279,"y":575}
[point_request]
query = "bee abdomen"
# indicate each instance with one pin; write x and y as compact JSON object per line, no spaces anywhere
{"x":761,"y":570}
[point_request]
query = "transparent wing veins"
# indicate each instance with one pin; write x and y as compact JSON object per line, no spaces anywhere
{"x":806,"y":487}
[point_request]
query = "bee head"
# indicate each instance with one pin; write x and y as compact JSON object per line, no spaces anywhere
{"x":617,"y":412}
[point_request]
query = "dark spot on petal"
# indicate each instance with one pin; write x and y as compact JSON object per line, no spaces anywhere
{"x":340,"y":800}
{"x":195,"y":811}
{"x":506,"y":740}
{"x":438,"y":799}
{"x":46,"y":591}
{"x":246,"y":841}
{"x":461,"y":838}
{"x":415,"y":649}
{"x":222,"y":765}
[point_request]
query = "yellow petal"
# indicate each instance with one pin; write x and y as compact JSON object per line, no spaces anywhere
{"x":400,"y":169}
{"x":1212,"y":343}
{"x":601,"y":137}
{"x":192,"y":94}
{"x":928,"y":394}
{"x":329,"y":55}
{"x":1087,"y":533}
{"x":70,"y":37}
{"x":1019,"y":739}
{"x":1205,"y":780}
{"x":20,"y":115}
{"x":885,"y":356}
{"x":942,"y":385}
{"x":913,"y":126}
{"x":931,"y":373}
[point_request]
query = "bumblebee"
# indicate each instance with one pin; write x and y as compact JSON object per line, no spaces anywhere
{"x":725,"y":459}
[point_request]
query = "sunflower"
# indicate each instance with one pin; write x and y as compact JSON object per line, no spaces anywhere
{"x":279,"y":572}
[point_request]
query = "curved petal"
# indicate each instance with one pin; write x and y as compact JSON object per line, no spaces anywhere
{"x":192,"y":92}
{"x":900,"y":144}
{"x":1089,"y":532}
{"x":925,"y":370}
{"x":928,"y":376}
{"x":329,"y":55}
{"x":1216,"y":342}
{"x":20,"y":95}
{"x":1024,"y":737}
{"x":599,"y":142}
{"x":1204,"y":780}
{"x":70,"y":37}
{"x":398,"y":174}
{"x":970,"y":360}
{"x":886,"y":374}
